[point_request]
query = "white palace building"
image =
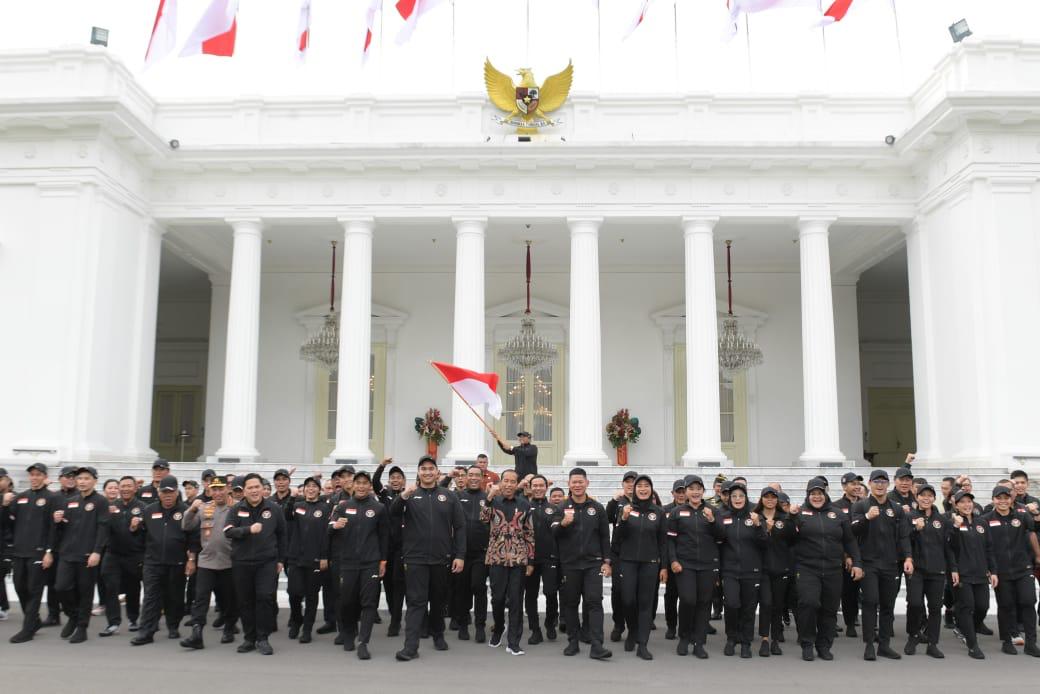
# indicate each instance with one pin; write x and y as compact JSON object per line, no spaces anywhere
{"x":153,"y":298}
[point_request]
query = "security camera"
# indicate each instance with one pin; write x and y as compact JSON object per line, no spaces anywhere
{"x":890,"y":140}
{"x":175,"y":144}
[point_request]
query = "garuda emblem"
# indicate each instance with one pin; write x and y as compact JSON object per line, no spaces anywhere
{"x":527,"y":103}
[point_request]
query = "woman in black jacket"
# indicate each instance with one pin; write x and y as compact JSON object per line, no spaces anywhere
{"x":744,"y":540}
{"x":778,"y":568}
{"x":637,"y":550}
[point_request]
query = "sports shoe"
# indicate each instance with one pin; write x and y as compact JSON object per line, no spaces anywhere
{"x":98,"y":611}
{"x":479,"y":635}
{"x":550,"y":632}
{"x":1018,"y":640}
{"x":774,"y":648}
{"x":598,"y":652}
{"x":246,"y":647}
{"x":1009,"y":648}
{"x":362,"y":652}
{"x":535,"y":638}
{"x":869,"y":653}
{"x":464,"y":632}
{"x":327,"y":628}
{"x":404,"y":656}
{"x":885,"y":651}
{"x":78,"y":636}
{"x":934,"y":651}
{"x":730,"y":648}
{"x":809,"y":655}
{"x":745,"y":650}
{"x":643,"y":653}
{"x":514,"y":651}
{"x":264,"y":647}
{"x":572,"y":648}
{"x":142,"y":639}
{"x":496,"y":639}
{"x":683,"y":647}
{"x":616,"y":634}
{"x":1031,"y":649}
{"x":66,"y":631}
{"x":699,"y":652}
{"x":439,"y":643}
{"x":110,"y":630}
{"x":976,"y":653}
{"x":763,"y":650}
{"x":850,"y":631}
{"x":824,"y":653}
{"x":983,"y":630}
{"x":132,"y":626}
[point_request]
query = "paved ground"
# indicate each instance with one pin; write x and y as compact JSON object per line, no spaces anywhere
{"x":106,"y":665}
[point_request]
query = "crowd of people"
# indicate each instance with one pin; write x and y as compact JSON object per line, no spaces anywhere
{"x":438,"y":545}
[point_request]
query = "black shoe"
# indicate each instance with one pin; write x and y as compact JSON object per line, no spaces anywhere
{"x":195,"y":640}
{"x":616,"y":634}
{"x":868,"y":652}
{"x":496,"y":639}
{"x":885,"y":651}
{"x":584,"y":637}
{"x":976,"y":653}
{"x":1009,"y":648}
{"x":228,"y":636}
{"x":911,"y":646}
{"x":572,"y":648}
{"x":948,"y":619}
{"x":711,"y":630}
{"x":983,"y":630}
{"x":550,"y":632}
{"x":774,"y":648}
{"x":404,"y":656}
{"x":377,"y":619}
{"x":22,"y":636}
{"x":669,"y":634}
{"x":246,"y":647}
{"x":173,"y":634}
{"x":730,"y":649}
{"x":850,"y":631}
{"x":218,"y":623}
{"x":142,"y":639}
{"x":294,"y":631}
{"x":338,"y":641}
{"x":264,"y":647}
{"x":630,"y":643}
{"x":66,"y":631}
{"x":745,"y":650}
{"x":535,"y":638}
{"x":78,"y":636}
{"x":934,"y":651}
{"x":643,"y":653}
{"x":453,"y":624}
{"x":598,"y":652}
{"x":393,"y":630}
{"x":362,"y":652}
{"x":479,"y":635}
{"x":305,"y":635}
{"x":464,"y":633}
{"x":132,"y":626}
{"x":763,"y":650}
{"x":716,"y":616}
{"x":824,"y":653}
{"x":110,"y":630}
{"x":780,"y":636}
{"x":52,"y":620}
{"x":1031,"y":649}
{"x":329,"y":627}
{"x":683,"y":647}
{"x":348,"y":643}
{"x":699,"y":652}
{"x":439,"y":643}
{"x":808,"y":654}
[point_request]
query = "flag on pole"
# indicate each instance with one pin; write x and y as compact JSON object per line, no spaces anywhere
{"x":215,"y":32}
{"x":164,"y":33}
{"x":303,"y":29}
{"x":411,"y":11}
{"x":473,"y":387}
{"x":374,"y":6}
{"x":835,"y":12}
{"x":638,"y":21}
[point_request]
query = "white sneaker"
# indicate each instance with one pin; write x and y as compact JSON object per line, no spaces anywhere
{"x":518,"y":651}
{"x":98,"y":611}
{"x":3,"y":616}
{"x":1018,"y":640}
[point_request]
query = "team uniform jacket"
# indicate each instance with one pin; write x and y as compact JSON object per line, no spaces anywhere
{"x":121,"y":540}
{"x":433,"y":527}
{"x":932,"y":546}
{"x":473,"y":503}
{"x":778,"y":559}
{"x":307,"y":527}
{"x":823,"y":538}
{"x":642,"y":537}
{"x":366,"y":537}
{"x":1012,"y":549}
{"x":266,"y":546}
{"x":585,"y":543}
{"x":543,"y":514}
{"x":743,"y":543}
{"x":693,"y":539}
{"x":29,"y":521}
{"x":84,"y":529}
{"x":167,"y":543}
{"x":972,"y":550}
{"x":884,"y":541}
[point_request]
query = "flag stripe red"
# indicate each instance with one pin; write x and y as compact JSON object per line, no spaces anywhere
{"x":158,"y":16}
{"x":838,"y":9}
{"x":222,"y":44}
{"x":405,"y":8}
{"x":305,"y":39}
{"x":454,"y":373}
{"x":368,"y":39}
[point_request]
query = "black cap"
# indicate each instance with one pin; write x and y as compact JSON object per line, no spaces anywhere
{"x":87,"y":469}
{"x":693,"y":479}
{"x":362,"y":473}
{"x":346,"y":470}
{"x":281,"y":472}
{"x":629,"y":475}
{"x":3,"y":472}
{"x":821,"y":480}
{"x":68,"y":471}
{"x":315,"y":480}
{"x":878,"y":475}
{"x":265,"y":482}
{"x":168,"y":483}
{"x":816,"y":483}
{"x":239,"y":482}
{"x":726,"y":486}
{"x":904,"y":472}
{"x":426,"y":459}
{"x":926,"y":488}
{"x":39,"y":467}
{"x":769,"y":490}
{"x":1001,"y":489}
{"x":678,"y":484}
{"x":395,"y":468}
{"x":161,"y":464}
{"x":961,"y":494}
{"x":523,"y":433}
{"x":208,"y":474}
{"x":783,"y":498}
{"x":851,"y":477}
{"x":736,"y":484}
{"x":187,"y":483}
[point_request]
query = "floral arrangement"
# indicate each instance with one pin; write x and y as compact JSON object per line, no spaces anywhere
{"x":432,"y":426}
{"x":623,"y":429}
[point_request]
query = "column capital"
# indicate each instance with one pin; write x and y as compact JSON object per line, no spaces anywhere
{"x":253,"y":225}
{"x":699,"y":225}
{"x":815,"y":224}
{"x":470,"y":225}
{"x":357,"y":223}
{"x":584,"y":224}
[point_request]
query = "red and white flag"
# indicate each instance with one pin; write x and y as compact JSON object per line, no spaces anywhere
{"x":215,"y":32}
{"x":303,"y":29}
{"x":638,"y":21}
{"x":836,"y":10}
{"x":370,"y":26}
{"x":474,"y":387}
{"x":164,"y":33}
{"x":411,"y":11}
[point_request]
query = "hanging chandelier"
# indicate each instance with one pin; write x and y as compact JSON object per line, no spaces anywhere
{"x":323,"y":346}
{"x":736,"y":352}
{"x":528,"y":350}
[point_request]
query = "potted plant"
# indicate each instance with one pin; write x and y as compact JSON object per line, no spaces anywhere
{"x":621,"y":431}
{"x":433,"y":429}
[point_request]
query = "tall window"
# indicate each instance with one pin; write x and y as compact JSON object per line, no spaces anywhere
{"x":326,"y":391}
{"x":531,"y":402}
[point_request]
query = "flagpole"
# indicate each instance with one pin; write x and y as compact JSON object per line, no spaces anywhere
{"x":527,"y":50}
{"x":899,"y":42}
{"x":599,"y":43}
{"x":475,"y":413}
{"x":675,"y":26}
{"x":453,"y":47}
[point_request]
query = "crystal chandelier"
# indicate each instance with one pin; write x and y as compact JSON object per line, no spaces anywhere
{"x":528,"y":350}
{"x":736,"y":352}
{"x":323,"y":346}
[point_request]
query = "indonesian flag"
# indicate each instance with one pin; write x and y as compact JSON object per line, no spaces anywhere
{"x":164,"y":32}
{"x":638,"y":21}
{"x":410,"y":11}
{"x":835,"y":12}
{"x":215,"y":32}
{"x":475,"y":388}
{"x":370,"y":25}
{"x":303,"y":29}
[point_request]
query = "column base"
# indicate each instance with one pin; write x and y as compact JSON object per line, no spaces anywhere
{"x":713,"y":459}
{"x":348,"y":457}
{"x":224,"y":456}
{"x":835,"y":459}
{"x":452,"y":458}
{"x":585,"y":459}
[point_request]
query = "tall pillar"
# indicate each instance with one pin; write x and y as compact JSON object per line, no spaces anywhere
{"x":142,"y":358}
{"x":467,"y":434}
{"x":703,"y":435}
{"x":819,"y":370}
{"x":584,"y":372}
{"x":238,"y":433}
{"x":922,"y":345}
{"x":355,"y":343}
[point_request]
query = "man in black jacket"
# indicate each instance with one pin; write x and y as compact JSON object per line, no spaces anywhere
{"x":1015,"y":548}
{"x":850,"y":483}
{"x":471,"y":586}
{"x":258,"y":547}
{"x":583,"y":537}
{"x":121,"y":567}
{"x":81,"y":531}
{"x":433,"y":533}
{"x":525,"y":453}
{"x":307,"y":521}
{"x":546,"y":571}
{"x":28,"y":518}
{"x":393,"y":578}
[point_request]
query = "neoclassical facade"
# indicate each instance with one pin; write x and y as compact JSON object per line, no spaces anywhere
{"x":162,"y":261}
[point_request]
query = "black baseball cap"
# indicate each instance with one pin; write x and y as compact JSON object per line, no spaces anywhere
{"x":726,"y":486}
{"x":3,"y":472}
{"x":816,"y":483}
{"x":1001,"y":489}
{"x":39,"y":467}
{"x":362,"y":473}
{"x":678,"y":484}
{"x":397,"y":469}
{"x":87,"y":469}
{"x":851,"y":477}
{"x":68,"y":471}
{"x":315,"y":480}
{"x":523,"y":433}
{"x":821,"y":480}
{"x":281,"y":472}
{"x":187,"y":483}
{"x":427,"y":459}
{"x":168,"y":483}
{"x":346,"y":470}
{"x":926,"y":488}
{"x":208,"y":474}
{"x":239,"y":482}
{"x":735,"y":485}
{"x":769,"y":490}
{"x":878,"y":475}
{"x":961,"y":494}
{"x":783,"y":498}
{"x":693,"y":479}
{"x":161,"y":464}
{"x":904,"y":472}
{"x":629,"y":475}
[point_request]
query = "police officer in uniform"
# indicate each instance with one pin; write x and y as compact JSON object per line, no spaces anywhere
{"x":256,"y":527}
{"x":209,"y":518}
{"x":308,"y":522}
{"x":28,"y":518}
{"x":169,"y":558}
{"x":525,"y":454}
{"x":122,"y":565}
{"x":546,"y":565}
{"x":81,"y":531}
{"x":471,"y":586}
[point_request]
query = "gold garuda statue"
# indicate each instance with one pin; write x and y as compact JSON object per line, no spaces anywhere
{"x":526,"y":103}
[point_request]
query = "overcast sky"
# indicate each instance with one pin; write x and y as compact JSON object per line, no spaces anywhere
{"x":882,"y":46}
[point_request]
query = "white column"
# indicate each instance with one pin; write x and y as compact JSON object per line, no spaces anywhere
{"x":819,"y":371}
{"x":467,"y":433}
{"x":238,"y":433}
{"x":922,"y":345}
{"x":703,"y":436}
{"x":142,"y":366}
{"x":355,"y":342}
{"x":584,"y":373}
